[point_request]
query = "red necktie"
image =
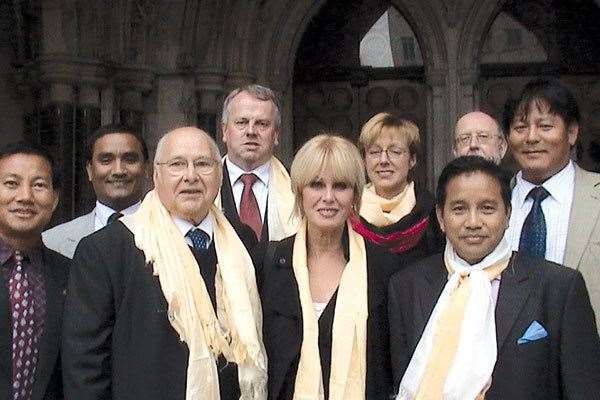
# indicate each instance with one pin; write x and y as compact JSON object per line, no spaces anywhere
{"x":249,"y":211}
{"x":24,"y":343}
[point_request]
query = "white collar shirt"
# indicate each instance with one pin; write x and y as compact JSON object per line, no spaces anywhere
{"x":103,"y":213}
{"x":207,"y":225}
{"x":556,"y":208}
{"x":260,"y":188}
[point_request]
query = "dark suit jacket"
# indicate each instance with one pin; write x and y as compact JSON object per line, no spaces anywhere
{"x":282,"y":320}
{"x":229,"y":208}
{"x":48,"y":380}
{"x":118,"y":341}
{"x":565,"y":365}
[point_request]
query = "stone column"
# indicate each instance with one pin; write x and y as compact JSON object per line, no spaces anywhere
{"x":438,"y":140}
{"x":132,"y":85}
{"x":209,"y":101}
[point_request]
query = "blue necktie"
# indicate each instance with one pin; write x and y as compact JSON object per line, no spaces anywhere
{"x":533,"y":233}
{"x":199,"y":238}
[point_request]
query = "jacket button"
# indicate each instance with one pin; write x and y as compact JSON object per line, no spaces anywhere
{"x":281,"y":261}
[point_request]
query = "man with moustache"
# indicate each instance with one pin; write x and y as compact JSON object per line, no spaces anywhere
{"x":555,"y":203}
{"x":116,"y":164}
{"x":478,"y":134}
{"x":33,"y":277}
{"x":481,"y":321}
{"x":256,"y":189}
{"x":172,"y":310}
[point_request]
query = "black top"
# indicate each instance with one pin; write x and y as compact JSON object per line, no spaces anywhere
{"x":282,"y":320}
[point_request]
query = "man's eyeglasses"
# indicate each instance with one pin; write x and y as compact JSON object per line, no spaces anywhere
{"x":480,"y":138}
{"x":178,"y":166}
{"x":392,"y":153}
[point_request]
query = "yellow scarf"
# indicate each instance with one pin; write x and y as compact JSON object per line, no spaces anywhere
{"x":280,"y":203}
{"x":349,"y":343}
{"x":380,"y":211}
{"x":456,"y":354}
{"x":236,"y":330}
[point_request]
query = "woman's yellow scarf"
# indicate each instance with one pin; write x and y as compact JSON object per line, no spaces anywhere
{"x":235,"y":331}
{"x":349,"y":343}
{"x":380,"y":211}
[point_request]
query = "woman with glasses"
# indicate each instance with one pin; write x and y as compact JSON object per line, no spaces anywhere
{"x":324,"y":290}
{"x":394,"y":213}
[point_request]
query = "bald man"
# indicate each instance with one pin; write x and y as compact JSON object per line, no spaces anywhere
{"x":478,"y":134}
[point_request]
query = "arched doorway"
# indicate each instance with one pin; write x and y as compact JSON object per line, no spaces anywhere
{"x":356,"y":61}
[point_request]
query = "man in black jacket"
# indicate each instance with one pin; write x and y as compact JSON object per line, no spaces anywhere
{"x":33,"y":276}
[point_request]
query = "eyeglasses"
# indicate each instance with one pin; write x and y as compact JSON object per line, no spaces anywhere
{"x":178,"y":166}
{"x":392,"y":153}
{"x":480,"y":138}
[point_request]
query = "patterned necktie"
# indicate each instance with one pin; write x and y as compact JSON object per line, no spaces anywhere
{"x":533,"y":233}
{"x":113,"y":217}
{"x":249,"y":211}
{"x":199,"y":238}
{"x":24,"y":342}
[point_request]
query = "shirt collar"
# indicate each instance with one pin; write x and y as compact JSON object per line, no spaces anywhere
{"x":34,"y":255}
{"x":207,"y":225}
{"x":555,"y":185}
{"x":263,"y":172}
{"x":103,"y":212}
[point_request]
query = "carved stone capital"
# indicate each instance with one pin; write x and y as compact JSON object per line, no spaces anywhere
{"x":136,"y":78}
{"x":72,"y":71}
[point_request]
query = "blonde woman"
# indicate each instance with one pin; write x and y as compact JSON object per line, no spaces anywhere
{"x":324,"y":290}
{"x":394,"y":213}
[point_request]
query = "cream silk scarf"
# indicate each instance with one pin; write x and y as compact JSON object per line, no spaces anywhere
{"x":380,"y":211}
{"x":455,"y":357}
{"x":236,"y":330}
{"x":349,"y":343}
{"x":280,"y":203}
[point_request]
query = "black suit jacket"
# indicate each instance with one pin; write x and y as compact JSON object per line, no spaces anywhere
{"x":48,"y":380}
{"x":282,"y":319}
{"x":229,"y":209}
{"x":118,"y":341}
{"x":565,"y":365}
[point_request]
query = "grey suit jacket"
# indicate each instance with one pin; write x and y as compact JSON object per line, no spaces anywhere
{"x":583,"y":238}
{"x":64,"y":238}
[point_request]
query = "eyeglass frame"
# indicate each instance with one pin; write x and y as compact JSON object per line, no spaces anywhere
{"x":186,"y":165}
{"x":465,"y":139}
{"x":396,"y":155}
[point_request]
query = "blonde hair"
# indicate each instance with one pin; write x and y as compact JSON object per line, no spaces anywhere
{"x":332,"y":153}
{"x":400,"y":127}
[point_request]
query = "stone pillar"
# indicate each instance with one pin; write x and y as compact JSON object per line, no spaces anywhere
{"x":438,"y":139}
{"x":209,"y":101}
{"x":56,"y":132}
{"x":132,"y":85}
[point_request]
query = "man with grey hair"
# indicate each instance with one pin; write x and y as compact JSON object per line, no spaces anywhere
{"x":478,"y":134}
{"x":171,"y":311}
{"x":256,"y":189}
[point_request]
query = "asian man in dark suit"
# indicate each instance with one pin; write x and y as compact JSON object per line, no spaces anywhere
{"x":480,"y":320}
{"x":33,"y":276}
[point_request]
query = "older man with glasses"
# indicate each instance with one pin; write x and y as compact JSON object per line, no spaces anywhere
{"x":478,"y":134}
{"x":172,"y":310}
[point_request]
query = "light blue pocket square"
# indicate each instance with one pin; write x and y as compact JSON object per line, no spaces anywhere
{"x":535,"y":332}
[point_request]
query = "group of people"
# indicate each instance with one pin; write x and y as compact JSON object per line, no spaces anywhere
{"x":232,"y":279}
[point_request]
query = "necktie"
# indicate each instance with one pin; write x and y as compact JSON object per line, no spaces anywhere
{"x":249,"y":211}
{"x":24,"y":342}
{"x":199,"y":238}
{"x":533,"y":233}
{"x":113,"y":217}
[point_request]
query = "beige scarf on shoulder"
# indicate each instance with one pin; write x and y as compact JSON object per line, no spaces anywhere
{"x":236,"y":329}
{"x":456,"y":354}
{"x":280,"y":203}
{"x":349,"y":343}
{"x":380,"y":211}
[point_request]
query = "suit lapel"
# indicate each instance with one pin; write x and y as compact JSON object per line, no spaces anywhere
{"x":435,"y":278}
{"x":5,"y":334}
{"x":54,"y":283}
{"x":515,"y":287}
{"x":584,"y":214}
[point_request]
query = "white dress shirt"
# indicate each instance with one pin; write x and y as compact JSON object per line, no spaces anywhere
{"x":260,"y":187}
{"x":556,"y":207}
{"x":207,"y":225}
{"x":103,"y":212}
